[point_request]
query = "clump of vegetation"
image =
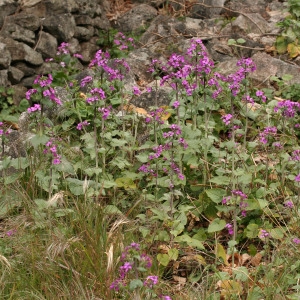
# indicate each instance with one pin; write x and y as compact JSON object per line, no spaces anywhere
{"x":288,"y":40}
{"x":116,"y":202}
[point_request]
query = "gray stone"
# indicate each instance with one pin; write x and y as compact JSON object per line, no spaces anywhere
{"x":137,"y":19}
{"x":101,"y":23}
{"x":4,"y":78}
{"x":7,"y":7}
{"x":164,"y":36}
{"x":267,"y":66}
{"x":160,"y":97}
{"x":27,"y":21}
{"x":15,"y":75}
{"x":246,"y":24}
{"x":139,"y":61}
{"x":88,"y":50}
{"x":62,"y":27}
{"x":206,"y":9}
{"x":47,"y":45}
{"x":27,"y":70}
{"x":22,"y":52}
{"x":19,"y":93}
{"x":89,"y":7}
{"x":83,"y":33}
{"x":18,"y":33}
{"x":83,"y":20}
{"x":5,"y":57}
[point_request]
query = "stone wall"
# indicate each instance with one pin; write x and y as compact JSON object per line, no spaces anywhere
{"x":31,"y":31}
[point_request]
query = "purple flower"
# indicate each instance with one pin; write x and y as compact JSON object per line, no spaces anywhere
{"x":296,"y":241}
{"x":136,"y":90}
{"x":105,"y":112}
{"x":239,"y":194}
{"x":63,"y":48}
{"x":34,"y":108}
{"x":229,"y":227}
{"x":77,"y":55}
{"x":297,"y":178}
{"x":289,"y":204}
{"x":85,"y":80}
{"x":82,"y":124}
{"x":29,"y":93}
{"x":264,"y":234}
{"x":176,"y":104}
{"x":151,"y":281}
{"x":226,"y":119}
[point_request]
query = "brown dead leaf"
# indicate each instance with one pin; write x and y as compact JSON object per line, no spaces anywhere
{"x":179,"y":279}
{"x":256,"y":260}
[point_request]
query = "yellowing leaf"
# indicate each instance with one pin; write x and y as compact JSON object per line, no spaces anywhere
{"x":230,"y":287}
{"x":221,"y":253}
{"x":293,"y":50}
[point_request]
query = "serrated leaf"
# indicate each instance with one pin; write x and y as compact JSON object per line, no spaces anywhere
{"x":231,"y":42}
{"x":241,"y":41}
{"x":39,"y":139}
{"x":216,"y":225}
{"x":252,"y":231}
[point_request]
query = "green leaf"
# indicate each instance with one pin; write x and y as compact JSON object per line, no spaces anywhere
{"x":221,"y":253}
{"x":189,"y":241}
{"x":216,"y":225}
{"x":126,"y":183}
{"x":241,"y":41}
{"x":135,"y":283}
{"x":39,"y":139}
{"x":173,"y":254}
{"x":281,"y":44}
{"x":220,"y":180}
{"x":277,"y":233}
{"x":216,"y":195}
{"x":163,"y":259}
{"x":111,"y":209}
{"x":231,"y":42}
{"x":252,"y":231}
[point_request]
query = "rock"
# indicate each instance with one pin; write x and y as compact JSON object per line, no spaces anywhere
{"x":22,"y":52}
{"x":88,"y":50}
{"x":164,"y":36}
{"x":19,"y":93}
{"x":46,"y":45}
{"x":27,"y":21}
{"x":207,"y":9}
{"x":139,"y":61}
{"x":146,"y":100}
{"x":246,"y":24}
{"x":4,"y":78}
{"x":84,"y":33}
{"x":137,"y":19}
{"x":7,"y":7}
{"x":62,"y":27}
{"x":5,"y":57}
{"x":268,"y":66}
{"x":14,"y":75}
{"x":18,"y":33}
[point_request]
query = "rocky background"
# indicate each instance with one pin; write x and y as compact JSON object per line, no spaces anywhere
{"x":31,"y":30}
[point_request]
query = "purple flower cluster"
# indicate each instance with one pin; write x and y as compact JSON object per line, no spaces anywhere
{"x":132,"y":259}
{"x":113,"y":69}
{"x":50,"y":93}
{"x":239,"y":194}
{"x":226,"y":119}
{"x":288,"y":108}
{"x":52,"y":149}
{"x":267,"y":132}
{"x":229,"y":227}
{"x":296,"y":241}
{"x":264,"y":234}
{"x":122,"y":41}
{"x":105,"y":111}
{"x":35,"y":107}
{"x":97,"y":94}
{"x":2,"y":131}
{"x":63,"y":48}
{"x":82,"y":124}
